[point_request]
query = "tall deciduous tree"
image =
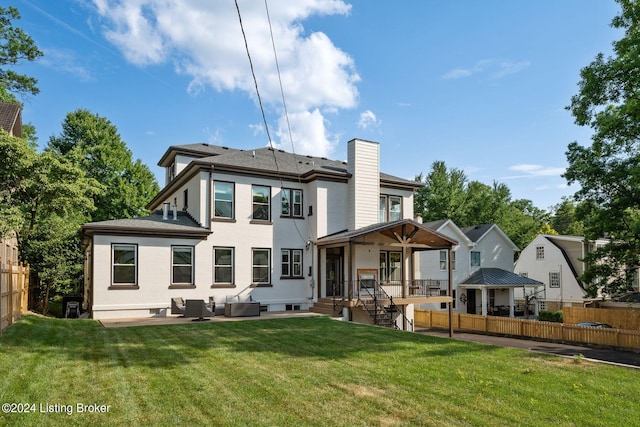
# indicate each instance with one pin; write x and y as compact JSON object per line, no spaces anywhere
{"x":16,"y":47}
{"x":448,"y":195}
{"x":608,"y":171}
{"x":93,"y":143}
{"x":44,"y":198}
{"x":443,"y":195}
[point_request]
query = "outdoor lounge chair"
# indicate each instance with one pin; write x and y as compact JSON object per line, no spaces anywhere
{"x":177,"y":306}
{"x":197,"y":308}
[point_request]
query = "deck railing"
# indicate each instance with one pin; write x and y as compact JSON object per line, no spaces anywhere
{"x":397,"y":289}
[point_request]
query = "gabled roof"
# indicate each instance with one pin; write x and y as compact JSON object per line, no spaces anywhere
{"x":440,"y":224}
{"x":152,"y":225}
{"x":10,"y":119}
{"x":475,"y":233}
{"x":404,"y":231}
{"x":499,"y":277}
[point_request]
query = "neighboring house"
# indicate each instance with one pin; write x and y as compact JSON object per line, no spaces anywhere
{"x":11,"y":118}
{"x":9,"y":250}
{"x":286,"y":230}
{"x":482,"y":269}
{"x":556,"y":261}
{"x":10,"y":121}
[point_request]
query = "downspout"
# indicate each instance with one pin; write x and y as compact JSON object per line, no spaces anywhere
{"x":450,"y":292}
{"x":210,"y":200}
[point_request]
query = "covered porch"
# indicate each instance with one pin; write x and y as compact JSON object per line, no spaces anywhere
{"x":374,"y":267}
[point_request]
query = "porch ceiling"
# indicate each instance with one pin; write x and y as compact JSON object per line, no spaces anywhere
{"x":405,"y":232}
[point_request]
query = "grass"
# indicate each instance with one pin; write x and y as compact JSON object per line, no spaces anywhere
{"x":296,"y":372}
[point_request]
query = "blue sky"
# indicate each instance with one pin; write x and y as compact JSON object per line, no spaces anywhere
{"x":480,"y":85}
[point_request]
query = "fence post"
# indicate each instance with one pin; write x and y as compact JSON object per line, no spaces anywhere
{"x":10,"y":295}
{"x":25,"y":289}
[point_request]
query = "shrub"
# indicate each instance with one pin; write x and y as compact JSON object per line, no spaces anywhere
{"x":550,"y":316}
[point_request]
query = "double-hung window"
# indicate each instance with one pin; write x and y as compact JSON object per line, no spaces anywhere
{"x":223,"y":266}
{"x":261,"y":266}
{"x":291,"y":262}
{"x":223,"y":199}
{"x":475,"y":259}
{"x":443,"y":260}
{"x":124,"y":270}
{"x":291,"y":202}
{"x":182,"y":265}
{"x":554,"y":279}
{"x":261,"y":198}
{"x":390,"y":207}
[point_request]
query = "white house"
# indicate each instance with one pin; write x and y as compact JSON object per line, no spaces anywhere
{"x":482,"y":269}
{"x":557,"y":262}
{"x":285,"y":230}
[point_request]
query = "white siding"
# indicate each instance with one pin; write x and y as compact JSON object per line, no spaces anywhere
{"x":539,"y":269}
{"x":364,"y":185}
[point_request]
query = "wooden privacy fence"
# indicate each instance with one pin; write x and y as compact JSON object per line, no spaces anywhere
{"x":528,"y":328}
{"x":14,"y":293}
{"x":621,"y":318}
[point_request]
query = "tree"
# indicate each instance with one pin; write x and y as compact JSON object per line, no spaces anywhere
{"x":447,"y":195}
{"x":565,"y":218}
{"x":44,"y":199}
{"x":16,"y":46}
{"x":92,"y":143}
{"x":608,"y":171}
{"x":443,"y":194}
{"x":17,"y":158}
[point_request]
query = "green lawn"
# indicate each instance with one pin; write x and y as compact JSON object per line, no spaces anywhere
{"x":293,"y":372}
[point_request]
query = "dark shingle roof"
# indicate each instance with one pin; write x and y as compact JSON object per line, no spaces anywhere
{"x":475,"y":232}
{"x":183,"y":226}
{"x":270,"y":161}
{"x":435,"y":225}
{"x":498,"y":276}
{"x":196,"y":150}
{"x":9,"y":114}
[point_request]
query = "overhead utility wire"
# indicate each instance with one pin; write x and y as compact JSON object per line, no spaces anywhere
{"x":286,"y":113}
{"x":264,"y":117}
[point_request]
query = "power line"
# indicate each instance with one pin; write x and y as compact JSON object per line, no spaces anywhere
{"x":264,"y":117}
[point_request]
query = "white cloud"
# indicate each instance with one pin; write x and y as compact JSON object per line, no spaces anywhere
{"x":203,"y":40}
{"x":458,"y":73}
{"x":509,"y":67}
{"x":492,"y":68}
{"x":66,"y":61}
{"x":257,"y":128}
{"x":309,"y":133}
{"x":368,"y":119}
{"x":531,"y":170}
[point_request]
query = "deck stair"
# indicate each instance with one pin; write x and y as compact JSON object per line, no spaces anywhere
{"x":380,"y":315}
{"x":327,"y":306}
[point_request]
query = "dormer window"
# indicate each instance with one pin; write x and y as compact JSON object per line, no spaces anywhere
{"x":172,"y":171}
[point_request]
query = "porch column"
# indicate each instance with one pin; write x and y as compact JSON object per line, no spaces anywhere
{"x":484,"y":300}
{"x":511,"y":308}
{"x":536,"y":308}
